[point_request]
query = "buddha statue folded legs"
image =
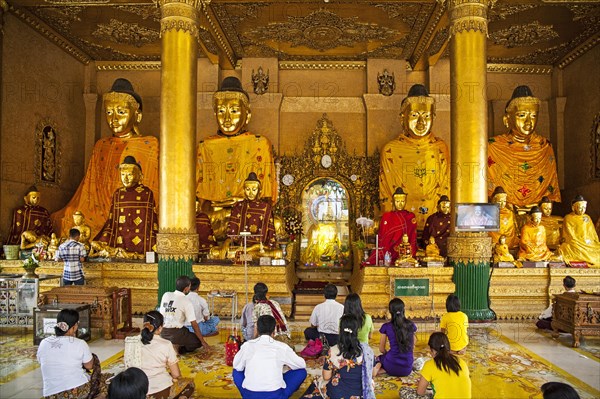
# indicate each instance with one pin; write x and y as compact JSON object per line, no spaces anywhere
{"x":580,"y":240}
{"x":532,"y":245}
{"x":30,"y":217}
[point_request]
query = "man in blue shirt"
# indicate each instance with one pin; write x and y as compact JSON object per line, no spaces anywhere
{"x":72,"y":252}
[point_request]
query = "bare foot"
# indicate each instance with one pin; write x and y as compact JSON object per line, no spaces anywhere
{"x":376,"y":369}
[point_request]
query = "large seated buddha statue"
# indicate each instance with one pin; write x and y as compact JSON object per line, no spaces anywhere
{"x":552,"y":223}
{"x":392,"y":227}
{"x":532,"y":245}
{"x":324,"y":242}
{"x":225,"y":159}
{"x":522,"y":161}
{"x":580,"y":240}
{"x":30,"y":217}
{"x":508,"y":221}
{"x":417,"y":161}
{"x":122,"y":108}
{"x":132,"y":221}
{"x":437,"y":227}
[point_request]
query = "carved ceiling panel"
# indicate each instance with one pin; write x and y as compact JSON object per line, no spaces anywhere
{"x":520,"y":31}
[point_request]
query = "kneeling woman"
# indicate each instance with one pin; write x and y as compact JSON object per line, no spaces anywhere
{"x":64,"y":359}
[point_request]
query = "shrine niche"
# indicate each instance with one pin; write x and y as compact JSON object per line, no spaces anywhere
{"x":323,"y":191}
{"x":47,"y":154}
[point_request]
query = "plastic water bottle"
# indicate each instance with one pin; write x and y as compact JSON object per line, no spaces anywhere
{"x":387,"y":258}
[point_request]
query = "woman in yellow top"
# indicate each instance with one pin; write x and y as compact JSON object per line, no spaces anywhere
{"x":455,"y":324}
{"x":448,"y":374}
{"x":353,"y":306}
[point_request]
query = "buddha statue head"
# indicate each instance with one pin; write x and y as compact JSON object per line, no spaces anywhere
{"x":123,"y":109}
{"x":405,"y":239}
{"x":502,"y":240}
{"x":399,"y":199}
{"x":520,"y":114}
{"x":32,"y":197}
{"x":131,"y":172}
{"x":232,"y":107}
{"x":444,"y":204}
{"x":417,"y":112}
{"x":579,"y":205}
{"x":546,"y":206}
{"x":535,"y":215}
{"x":78,"y":218}
{"x":499,"y":197}
{"x":252,"y":187}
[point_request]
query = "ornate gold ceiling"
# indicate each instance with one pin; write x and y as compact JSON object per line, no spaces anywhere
{"x":541,"y":32}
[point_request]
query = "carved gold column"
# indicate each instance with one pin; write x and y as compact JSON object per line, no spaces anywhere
{"x":469,"y":253}
{"x":177,"y":241}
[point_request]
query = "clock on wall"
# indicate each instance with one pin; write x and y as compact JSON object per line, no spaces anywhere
{"x":326,"y":161}
{"x":288,"y":179}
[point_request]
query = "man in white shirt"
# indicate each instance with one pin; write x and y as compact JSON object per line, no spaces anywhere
{"x":258,"y":366}
{"x":176,"y":308}
{"x":545,"y":319}
{"x":325,"y":317}
{"x":206,"y":322}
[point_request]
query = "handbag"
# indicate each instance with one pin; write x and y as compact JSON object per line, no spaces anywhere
{"x":232,"y":346}
{"x":313,"y":348}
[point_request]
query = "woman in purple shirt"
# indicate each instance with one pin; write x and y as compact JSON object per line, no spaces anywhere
{"x":398,"y":360}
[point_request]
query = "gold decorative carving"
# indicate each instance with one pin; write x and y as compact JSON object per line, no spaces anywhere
{"x":179,"y":10}
{"x":595,"y":147}
{"x":128,"y":66}
{"x":48,"y":153}
{"x":145,"y":11}
{"x":208,"y":41}
{"x":260,"y":81}
{"x":468,"y":15}
{"x":440,"y":38}
{"x":109,"y":53}
{"x":524,"y":35}
{"x":518,"y":68}
{"x":579,"y":51}
{"x":430,"y":27}
{"x":197,"y":4}
{"x":241,"y":12}
{"x":128,"y":33}
{"x":177,"y":244}
{"x":470,"y":247}
{"x":295,"y":65}
{"x":60,"y":17}
{"x":215,"y":30}
{"x":386,"y":83}
{"x":77,"y":2}
{"x":505,"y":10}
{"x":321,"y":30}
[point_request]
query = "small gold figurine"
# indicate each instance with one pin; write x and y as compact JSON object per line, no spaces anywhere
{"x":501,"y":253}
{"x":508,"y":221}
{"x":552,"y":224}
{"x":432,"y":252}
{"x":405,"y":253}
{"x":52,"y":247}
{"x":85,"y":232}
{"x":30,"y":240}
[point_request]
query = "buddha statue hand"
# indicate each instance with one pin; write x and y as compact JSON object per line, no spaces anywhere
{"x":220,"y":251}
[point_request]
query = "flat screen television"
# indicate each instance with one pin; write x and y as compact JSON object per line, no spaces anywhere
{"x":477,"y":217}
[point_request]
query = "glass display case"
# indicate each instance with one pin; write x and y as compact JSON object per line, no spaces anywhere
{"x":45,"y":320}
{"x":18,"y":298}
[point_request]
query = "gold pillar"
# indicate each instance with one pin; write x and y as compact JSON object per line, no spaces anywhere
{"x":177,"y":241}
{"x":469,"y":253}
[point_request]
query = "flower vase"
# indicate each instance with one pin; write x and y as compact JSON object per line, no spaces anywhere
{"x":30,"y":272}
{"x":283,"y":247}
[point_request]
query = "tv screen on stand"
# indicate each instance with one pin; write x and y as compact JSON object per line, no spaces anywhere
{"x":476,"y":217}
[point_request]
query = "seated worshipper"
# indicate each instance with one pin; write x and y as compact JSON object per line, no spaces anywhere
{"x":157,"y":358}
{"x":258,"y":366}
{"x":132,"y":223}
{"x":122,"y":108}
{"x":552,"y":224}
{"x":265,"y":306}
{"x":521,"y":160}
{"x":398,"y":361}
{"x":393,"y":226}
{"x":325,"y":317}
{"x":533,"y":246}
{"x":438,"y":226}
{"x":131,"y":383}
{"x":206,"y":236}
{"x":348,"y":368}
{"x":29,"y":217}
{"x":545,"y":319}
{"x":448,"y":374}
{"x":84,"y":229}
{"x":226,"y":158}
{"x":558,"y":390}
{"x":176,"y":308}
{"x":580,"y":240}
{"x":251,"y":215}
{"x":64,"y":359}
{"x":206,"y":322}
{"x":353,"y":306}
{"x":508,"y":222}
{"x":246,"y":321}
{"x":455,"y":324}
{"x":417,"y":160}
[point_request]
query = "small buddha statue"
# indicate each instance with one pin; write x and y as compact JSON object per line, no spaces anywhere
{"x":30,"y":240}
{"x":501,"y":253}
{"x":432,"y":252}
{"x":85,"y":232}
{"x":206,"y":236}
{"x":122,"y":108}
{"x":580,"y":240}
{"x":437,"y":226}
{"x":52,"y":247}
{"x":30,"y":217}
{"x":552,"y":223}
{"x":404,"y":250}
{"x":532,"y":245}
{"x":132,"y":222}
{"x":252,"y":215}
{"x":522,"y":161}
{"x":417,"y":160}
{"x":324,"y":241}
{"x":508,"y":222}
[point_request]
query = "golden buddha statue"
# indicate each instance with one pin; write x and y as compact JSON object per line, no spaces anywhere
{"x":225,"y":159}
{"x":30,"y":240}
{"x":52,"y":247}
{"x":132,"y":222}
{"x":251,"y":215}
{"x":552,"y":223}
{"x":324,"y":241}
{"x":432,"y":252}
{"x":405,"y":255}
{"x":508,"y":221}
{"x":522,"y":161}
{"x":580,"y":240}
{"x":417,"y":161}
{"x":437,"y":226}
{"x":29,"y":217}
{"x":123,"y":111}
{"x":501,"y":253}
{"x":532,"y":245}
{"x":85,"y":233}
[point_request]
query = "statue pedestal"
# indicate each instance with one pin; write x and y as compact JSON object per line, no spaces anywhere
{"x":433,"y":264}
{"x":529,"y":264}
{"x":556,"y":264}
{"x":504,"y":264}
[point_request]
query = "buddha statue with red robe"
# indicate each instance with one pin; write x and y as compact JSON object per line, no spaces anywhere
{"x":30,"y":217}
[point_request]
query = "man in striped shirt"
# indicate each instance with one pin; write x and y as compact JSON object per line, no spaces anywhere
{"x":72,"y":252}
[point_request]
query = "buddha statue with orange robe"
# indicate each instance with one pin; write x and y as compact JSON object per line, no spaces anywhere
{"x":532,"y":245}
{"x":30,"y":217}
{"x":552,"y":223}
{"x":580,"y":240}
{"x":417,"y":161}
{"x":508,"y":221}
{"x":123,"y":112}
